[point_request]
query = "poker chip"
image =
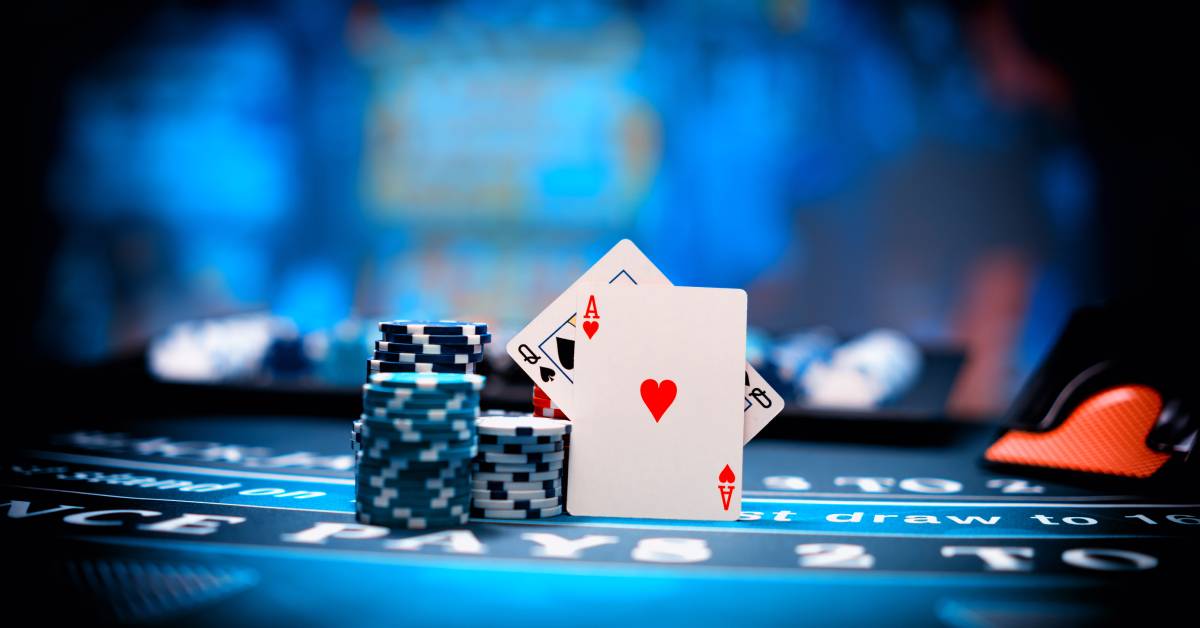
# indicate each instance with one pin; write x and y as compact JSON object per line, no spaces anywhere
{"x":513,"y":485}
{"x":443,"y":328}
{"x":421,"y":358}
{"x":515,"y":504}
{"x":516,"y":448}
{"x":537,"y":513}
{"x":382,"y":518}
{"x":430,"y":502}
{"x":445,"y":382}
{"x":417,"y":425}
{"x":421,"y":414}
{"x":393,"y":475}
{"x":545,"y":406}
{"x":522,"y":458}
{"x":492,"y":467}
{"x":514,"y":494}
{"x":439,"y":339}
{"x":488,"y":439}
{"x":431,"y":484}
{"x":459,"y":403}
{"x":415,"y":440}
{"x":383,"y":366}
{"x":498,"y":476}
{"x":401,"y":437}
{"x":422,"y":452}
{"x":548,"y":413}
{"x":427,"y":349}
{"x":397,"y":393}
{"x":526,"y":425}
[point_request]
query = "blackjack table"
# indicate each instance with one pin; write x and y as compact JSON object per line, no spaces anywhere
{"x":201,"y":517}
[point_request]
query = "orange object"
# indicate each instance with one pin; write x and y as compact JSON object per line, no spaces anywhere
{"x":1105,"y":434}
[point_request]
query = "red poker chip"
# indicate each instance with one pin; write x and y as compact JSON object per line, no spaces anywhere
{"x":545,"y":405}
{"x":549,"y":413}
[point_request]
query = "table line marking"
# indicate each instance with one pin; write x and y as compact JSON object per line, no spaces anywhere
{"x":647,"y":526}
{"x":1049,"y":498}
{"x":623,"y":569}
{"x":765,"y":500}
{"x":179,"y":501}
{"x":194,"y":470}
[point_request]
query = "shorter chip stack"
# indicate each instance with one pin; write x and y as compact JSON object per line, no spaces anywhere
{"x":429,"y":347}
{"x":413,"y":445}
{"x":520,"y":467}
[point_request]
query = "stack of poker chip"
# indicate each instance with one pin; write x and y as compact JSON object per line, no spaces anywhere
{"x":544,"y":407}
{"x":414,"y":444}
{"x":518,"y":473}
{"x":429,"y":347}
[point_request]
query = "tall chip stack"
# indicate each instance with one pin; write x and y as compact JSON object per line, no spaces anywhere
{"x":416,"y":438}
{"x":519,"y":471}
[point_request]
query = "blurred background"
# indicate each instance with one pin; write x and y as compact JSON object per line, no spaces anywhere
{"x":204,"y":179}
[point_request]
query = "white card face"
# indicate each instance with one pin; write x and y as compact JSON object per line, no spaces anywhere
{"x":659,"y":396}
{"x":544,"y":349}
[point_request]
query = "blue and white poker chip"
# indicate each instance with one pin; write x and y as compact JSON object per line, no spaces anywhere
{"x":544,"y":493}
{"x":427,"y":349}
{"x":405,"y":475}
{"x":383,"y":366}
{"x":415,"y":484}
{"x":515,"y":504}
{"x":516,"y":448}
{"x":480,"y":484}
{"x":519,"y":477}
{"x":444,"y":382}
{"x":476,"y":340}
{"x":535,"y":513}
{"x":421,"y":414}
{"x":375,"y":392}
{"x":520,"y":441}
{"x":530,"y":458}
{"x":442,"y":328}
{"x":492,"y":467}
{"x":517,"y":426}
{"x":379,"y":518}
{"x":421,"y":358}
{"x":403,"y":424}
{"x":410,"y":438}
{"x":418,"y":452}
{"x":461,"y":403}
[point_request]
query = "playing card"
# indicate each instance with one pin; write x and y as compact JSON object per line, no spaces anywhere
{"x":660,"y":394}
{"x":544,"y":349}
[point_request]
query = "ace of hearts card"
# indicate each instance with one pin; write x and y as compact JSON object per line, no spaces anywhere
{"x":659,"y":403}
{"x":545,"y":348}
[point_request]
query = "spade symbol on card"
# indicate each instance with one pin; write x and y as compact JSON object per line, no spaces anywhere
{"x":566,"y":352}
{"x":658,"y":396}
{"x":547,"y":374}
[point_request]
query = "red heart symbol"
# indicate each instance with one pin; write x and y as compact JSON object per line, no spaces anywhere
{"x":590,"y":328}
{"x":658,"y":396}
